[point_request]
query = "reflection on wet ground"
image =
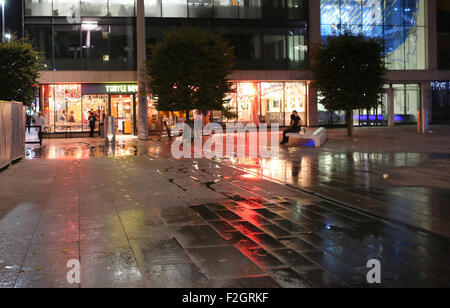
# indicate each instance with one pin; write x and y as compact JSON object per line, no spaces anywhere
{"x":143,"y":218}
{"x":80,"y":150}
{"x":413,"y":188}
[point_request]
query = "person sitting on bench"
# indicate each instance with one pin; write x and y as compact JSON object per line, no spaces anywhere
{"x":294,"y":127}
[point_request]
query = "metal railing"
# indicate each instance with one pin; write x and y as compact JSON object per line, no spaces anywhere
{"x":12,"y":132}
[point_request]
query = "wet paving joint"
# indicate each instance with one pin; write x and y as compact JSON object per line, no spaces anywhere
{"x":143,"y":219}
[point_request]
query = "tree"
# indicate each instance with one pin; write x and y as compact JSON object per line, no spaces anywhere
{"x":19,"y":70}
{"x":188,"y":70}
{"x":349,"y":73}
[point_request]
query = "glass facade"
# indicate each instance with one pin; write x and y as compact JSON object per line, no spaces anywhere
{"x":407,"y":101}
{"x":229,"y":9}
{"x":255,"y":47}
{"x":90,"y":45}
{"x":400,"y":23}
{"x":443,"y":29}
{"x":100,"y":34}
{"x":110,"y":8}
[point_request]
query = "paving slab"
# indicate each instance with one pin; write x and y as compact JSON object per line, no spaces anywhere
{"x":148,"y":220}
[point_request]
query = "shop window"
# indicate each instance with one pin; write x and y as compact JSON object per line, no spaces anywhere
{"x":96,"y":104}
{"x":413,"y":100}
{"x":123,"y":113}
{"x":67,"y":112}
{"x":248,"y":102}
{"x":272,"y":102}
{"x":407,"y":100}
{"x":231,"y":103}
{"x":295,"y":99}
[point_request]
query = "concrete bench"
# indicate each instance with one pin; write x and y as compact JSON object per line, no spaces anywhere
{"x":318,"y":136}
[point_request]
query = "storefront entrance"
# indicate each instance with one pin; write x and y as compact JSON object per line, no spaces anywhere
{"x":66,"y":107}
{"x":123,"y":111}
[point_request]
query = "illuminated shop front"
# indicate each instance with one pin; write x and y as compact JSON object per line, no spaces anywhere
{"x":66,"y":107}
{"x":266,"y":102}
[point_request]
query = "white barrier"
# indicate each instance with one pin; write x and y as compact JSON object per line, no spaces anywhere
{"x":317,"y":135}
{"x":12,"y":132}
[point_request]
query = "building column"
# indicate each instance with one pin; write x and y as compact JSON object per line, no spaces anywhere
{"x":141,"y":71}
{"x":314,"y":39}
{"x":431,"y":16}
{"x":391,"y":110}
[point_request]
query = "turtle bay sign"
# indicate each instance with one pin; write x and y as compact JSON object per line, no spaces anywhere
{"x":121,"y":88}
{"x":109,"y":88}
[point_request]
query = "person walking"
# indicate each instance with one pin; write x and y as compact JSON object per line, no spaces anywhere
{"x":294,"y":127}
{"x":40,"y":122}
{"x":28,"y":122}
{"x":92,"y":119}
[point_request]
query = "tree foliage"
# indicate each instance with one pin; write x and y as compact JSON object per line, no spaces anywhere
{"x":188,"y":70}
{"x":350,"y":73}
{"x":19,"y":70}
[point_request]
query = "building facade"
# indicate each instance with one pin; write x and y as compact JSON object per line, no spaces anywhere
{"x":90,"y":47}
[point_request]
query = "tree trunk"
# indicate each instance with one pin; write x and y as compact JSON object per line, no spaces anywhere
{"x":350,"y":123}
{"x":187,"y":116}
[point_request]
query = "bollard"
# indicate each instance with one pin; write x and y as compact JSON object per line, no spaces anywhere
{"x":419,"y":121}
{"x":110,"y":130}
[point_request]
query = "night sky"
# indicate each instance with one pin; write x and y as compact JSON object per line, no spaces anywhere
{"x":13,"y":16}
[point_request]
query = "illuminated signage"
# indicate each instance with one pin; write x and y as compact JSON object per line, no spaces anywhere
{"x":121,"y":88}
{"x":109,"y":88}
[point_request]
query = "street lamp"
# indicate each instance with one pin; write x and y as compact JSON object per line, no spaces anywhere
{"x":2,"y":2}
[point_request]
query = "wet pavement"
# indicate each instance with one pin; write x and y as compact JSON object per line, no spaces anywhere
{"x":416,"y":190}
{"x":135,"y":217}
